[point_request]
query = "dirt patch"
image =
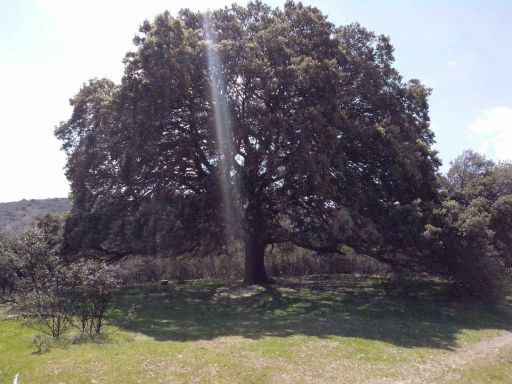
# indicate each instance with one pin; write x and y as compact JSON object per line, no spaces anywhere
{"x":446,"y":368}
{"x":237,"y":292}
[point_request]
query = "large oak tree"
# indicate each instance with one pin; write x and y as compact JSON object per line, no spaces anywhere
{"x":252,"y":126}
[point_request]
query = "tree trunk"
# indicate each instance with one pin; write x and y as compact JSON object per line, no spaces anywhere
{"x":255,"y":272}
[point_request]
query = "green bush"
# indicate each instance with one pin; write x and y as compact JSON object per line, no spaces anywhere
{"x":92,"y":283}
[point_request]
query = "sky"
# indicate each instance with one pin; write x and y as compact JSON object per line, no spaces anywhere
{"x":49,"y":48}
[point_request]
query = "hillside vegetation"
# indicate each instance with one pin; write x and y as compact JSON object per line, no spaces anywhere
{"x":16,"y":217}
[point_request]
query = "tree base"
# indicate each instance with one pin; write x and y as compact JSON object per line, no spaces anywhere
{"x":260,"y":281}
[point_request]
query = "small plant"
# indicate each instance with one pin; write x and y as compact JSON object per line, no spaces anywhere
{"x":83,"y":338}
{"x":132,"y":312}
{"x":42,"y":343}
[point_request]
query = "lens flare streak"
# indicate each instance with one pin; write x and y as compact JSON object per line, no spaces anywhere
{"x":223,"y":131}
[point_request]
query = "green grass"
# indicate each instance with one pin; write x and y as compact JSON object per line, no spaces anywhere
{"x":348,"y":330}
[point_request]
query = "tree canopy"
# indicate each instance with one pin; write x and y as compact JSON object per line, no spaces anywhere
{"x":472,"y":228}
{"x":253,"y":126}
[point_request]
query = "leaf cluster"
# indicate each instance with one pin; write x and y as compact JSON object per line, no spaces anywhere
{"x":471,"y":231}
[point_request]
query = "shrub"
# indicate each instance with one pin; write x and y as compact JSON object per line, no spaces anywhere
{"x":462,"y":244}
{"x":43,"y":291}
{"x":42,"y":343}
{"x":55,"y":294}
{"x":37,"y":262}
{"x":77,"y":295}
{"x":50,"y":305}
{"x":92,"y":285}
{"x":83,"y":338}
{"x":281,"y":261}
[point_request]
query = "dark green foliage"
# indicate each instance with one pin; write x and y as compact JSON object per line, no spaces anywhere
{"x":328,"y":143}
{"x":51,"y":228}
{"x":472,"y":230}
{"x":29,"y":259}
{"x":37,"y":261}
{"x":501,"y":224}
{"x":467,"y":171}
{"x":9,"y":278}
{"x":462,"y":244}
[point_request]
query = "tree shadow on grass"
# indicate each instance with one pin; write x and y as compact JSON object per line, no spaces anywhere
{"x":367,"y":308}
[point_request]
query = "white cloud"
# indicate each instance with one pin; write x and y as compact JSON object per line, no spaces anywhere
{"x":452,"y":63}
{"x":495,"y":132}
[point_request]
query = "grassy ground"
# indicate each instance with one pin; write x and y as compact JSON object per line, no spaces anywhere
{"x":497,"y":370}
{"x":352,"y":330}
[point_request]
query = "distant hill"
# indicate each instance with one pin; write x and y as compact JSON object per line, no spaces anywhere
{"x":18,"y":216}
